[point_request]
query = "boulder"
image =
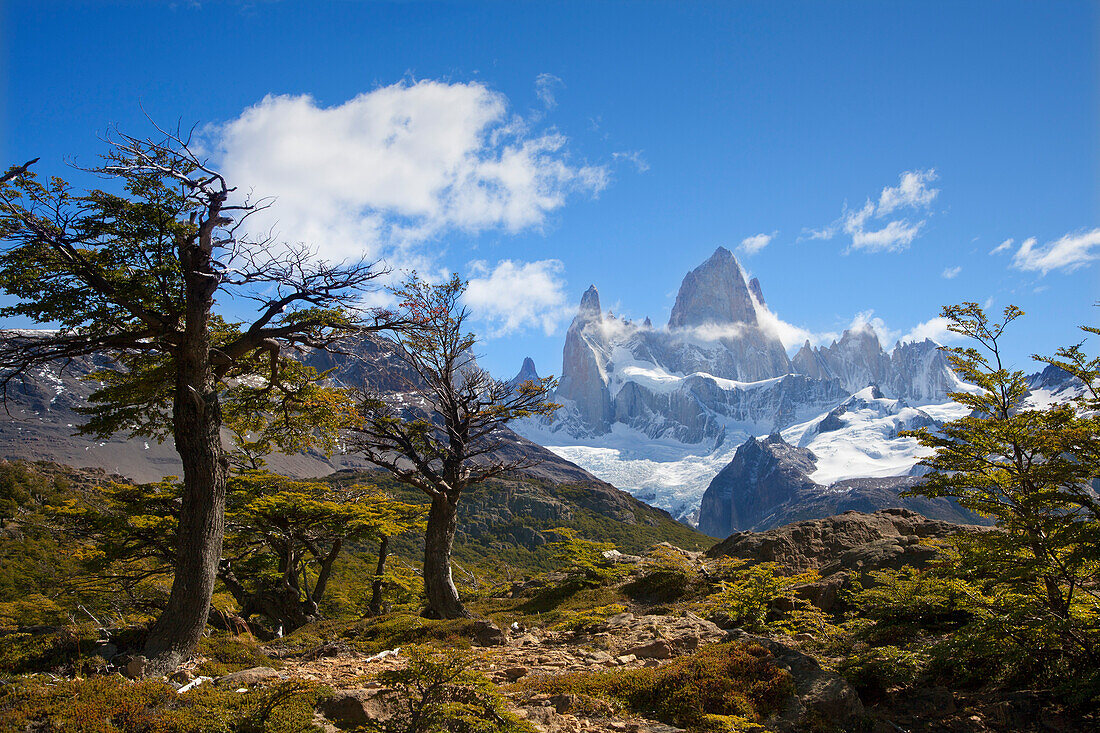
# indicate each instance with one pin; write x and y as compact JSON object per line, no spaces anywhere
{"x":246,"y":677}
{"x":820,"y":696}
{"x":486,"y":633}
{"x":353,"y":709}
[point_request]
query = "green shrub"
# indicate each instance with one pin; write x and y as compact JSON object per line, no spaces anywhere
{"x":666,"y":575}
{"x":873,"y":671}
{"x":700,"y":691}
{"x":59,"y":651}
{"x":439,"y":693}
{"x":226,"y":653}
{"x":114,"y":705}
{"x":571,"y":620}
{"x":758,"y":598}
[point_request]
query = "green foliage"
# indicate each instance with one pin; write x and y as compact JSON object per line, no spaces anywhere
{"x":697,"y":691}
{"x":582,"y":560}
{"x":913,"y":599}
{"x":1029,"y":469}
{"x":115,"y":705}
{"x":225,"y":653}
{"x":283,"y":537}
{"x":440,"y":693}
{"x":666,"y":574}
{"x":757,"y":598}
{"x":580,"y":620}
{"x":58,"y":651}
{"x":875,"y":670}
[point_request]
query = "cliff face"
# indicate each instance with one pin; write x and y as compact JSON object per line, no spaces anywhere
{"x":714,"y":292}
{"x":583,"y":377}
{"x":768,"y":484}
{"x":716,"y":367}
{"x":763,"y":474}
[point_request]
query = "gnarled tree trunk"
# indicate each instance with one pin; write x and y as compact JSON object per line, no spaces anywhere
{"x":439,"y":587}
{"x":376,"y":585}
{"x":196,"y":428}
{"x":177,"y":631}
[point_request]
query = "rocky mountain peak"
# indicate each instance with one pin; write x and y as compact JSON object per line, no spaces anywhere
{"x":714,"y":292}
{"x":754,"y":288}
{"x":527,"y":372}
{"x":590,"y":305}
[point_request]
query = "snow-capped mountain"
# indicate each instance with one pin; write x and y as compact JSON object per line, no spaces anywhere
{"x":660,"y":410}
{"x":770,"y":483}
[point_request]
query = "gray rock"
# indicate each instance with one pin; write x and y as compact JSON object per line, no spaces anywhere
{"x":486,"y":633}
{"x":352,"y":709}
{"x":246,"y":677}
{"x":654,"y":650}
{"x":819,"y":696}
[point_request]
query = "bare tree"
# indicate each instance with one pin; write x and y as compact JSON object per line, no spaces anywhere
{"x":135,"y":277}
{"x":444,"y":433}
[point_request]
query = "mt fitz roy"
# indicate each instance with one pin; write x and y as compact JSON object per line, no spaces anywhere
{"x":660,"y":411}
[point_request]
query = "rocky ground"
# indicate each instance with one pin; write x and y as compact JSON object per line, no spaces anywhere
{"x":627,"y":641}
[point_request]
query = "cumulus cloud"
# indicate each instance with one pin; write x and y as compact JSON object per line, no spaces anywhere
{"x":1002,"y":247}
{"x":912,"y":192}
{"x":1073,"y":251}
{"x":875,"y":227}
{"x":950,"y":273}
{"x":934,"y":328}
{"x":389,"y":170}
{"x":755,"y":243}
{"x":512,"y":296}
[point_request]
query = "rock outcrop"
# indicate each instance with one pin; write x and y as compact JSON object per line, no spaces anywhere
{"x":849,"y":541}
{"x":768,"y":484}
{"x":777,"y":473}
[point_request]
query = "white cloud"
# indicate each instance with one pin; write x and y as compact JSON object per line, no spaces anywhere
{"x":949,"y":273}
{"x":912,"y":192}
{"x":545,"y":84}
{"x":934,"y":328}
{"x":515,"y":295}
{"x":383,"y":173}
{"x":867,"y":320}
{"x":1002,"y":247}
{"x":755,"y":243}
{"x":635,"y":157}
{"x":895,"y":235}
{"x":1071,"y":252}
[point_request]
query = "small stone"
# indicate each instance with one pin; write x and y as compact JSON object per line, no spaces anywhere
{"x":107,"y":651}
{"x":135,"y":668}
{"x":626,"y":659}
{"x":182,"y":676}
{"x":655,"y":650}
{"x":514,"y":673}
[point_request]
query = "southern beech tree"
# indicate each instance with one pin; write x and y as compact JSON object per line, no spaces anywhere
{"x":283,"y":538}
{"x":443,"y":433}
{"x":1032,"y":470}
{"x":136,"y":275}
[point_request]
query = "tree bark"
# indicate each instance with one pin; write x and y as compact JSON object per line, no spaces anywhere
{"x":439,"y":587}
{"x":376,"y":586}
{"x":196,"y":428}
{"x":197,"y":423}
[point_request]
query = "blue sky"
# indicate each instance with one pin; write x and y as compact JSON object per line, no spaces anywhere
{"x":538,"y":148}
